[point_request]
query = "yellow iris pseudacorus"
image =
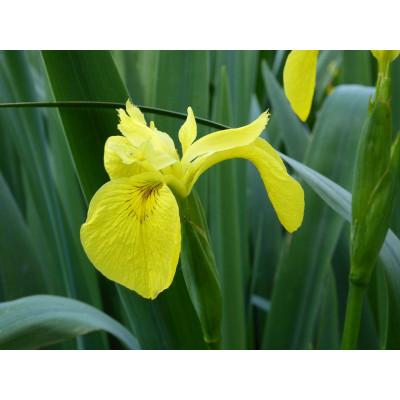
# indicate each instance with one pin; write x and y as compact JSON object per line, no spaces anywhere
{"x":133,"y":230}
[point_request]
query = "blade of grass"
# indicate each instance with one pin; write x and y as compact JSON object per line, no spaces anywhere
{"x":20,"y":262}
{"x":328,"y":336}
{"x":356,"y":67}
{"x":243,"y":64}
{"x":225,"y":229}
{"x":28,"y":134}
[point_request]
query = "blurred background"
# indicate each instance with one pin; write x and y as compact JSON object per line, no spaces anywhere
{"x":279,"y":290}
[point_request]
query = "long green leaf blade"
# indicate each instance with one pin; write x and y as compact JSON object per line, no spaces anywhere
{"x":38,"y":321}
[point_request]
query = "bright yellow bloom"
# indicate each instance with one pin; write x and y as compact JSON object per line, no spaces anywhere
{"x":132,"y":233}
{"x":299,"y":77}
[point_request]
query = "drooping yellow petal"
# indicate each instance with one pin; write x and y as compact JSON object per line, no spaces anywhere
{"x":299,"y":77}
{"x":119,"y":158}
{"x":188,"y":132}
{"x":132,"y":234}
{"x":285,"y":193}
{"x":226,"y":139}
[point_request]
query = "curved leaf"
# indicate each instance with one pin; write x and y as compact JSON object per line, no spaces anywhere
{"x":38,"y":321}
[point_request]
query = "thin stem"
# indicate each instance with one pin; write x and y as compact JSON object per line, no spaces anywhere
{"x":106,"y":104}
{"x":352,"y":321}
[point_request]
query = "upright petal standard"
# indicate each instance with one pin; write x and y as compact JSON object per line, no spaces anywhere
{"x":133,"y":233}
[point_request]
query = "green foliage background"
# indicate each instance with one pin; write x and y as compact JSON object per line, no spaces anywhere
{"x":279,"y":291}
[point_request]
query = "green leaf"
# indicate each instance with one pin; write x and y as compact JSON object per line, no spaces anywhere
{"x":396,"y":94}
{"x":20,"y":263}
{"x":27,"y":130}
{"x":356,"y":67}
{"x":243,"y":64}
{"x":328,"y":336}
{"x":38,"y":321}
{"x":89,"y":78}
{"x":307,"y":256}
{"x":199,"y":269}
{"x":328,"y":68}
{"x":55,"y":206}
{"x":225,"y":225}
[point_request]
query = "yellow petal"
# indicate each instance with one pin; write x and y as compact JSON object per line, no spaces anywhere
{"x":156,"y":156}
{"x":135,"y":113}
{"x":188,"y":132}
{"x":163,"y":142}
{"x":285,"y":193}
{"x":133,"y":125}
{"x":119,"y":158}
{"x":226,"y":139}
{"x":132,"y":234}
{"x":299,"y":80}
{"x":152,"y":146}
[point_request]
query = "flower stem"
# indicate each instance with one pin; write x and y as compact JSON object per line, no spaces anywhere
{"x":352,"y":321}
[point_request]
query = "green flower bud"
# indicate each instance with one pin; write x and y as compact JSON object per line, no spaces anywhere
{"x":373,"y":185}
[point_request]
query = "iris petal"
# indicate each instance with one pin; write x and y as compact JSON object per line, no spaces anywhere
{"x":132,"y":234}
{"x":226,"y":139}
{"x":133,"y":125}
{"x":285,"y":193}
{"x":299,"y":80}
{"x":119,"y":158}
{"x":188,"y":132}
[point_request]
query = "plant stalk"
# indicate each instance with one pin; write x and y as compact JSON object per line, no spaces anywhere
{"x":354,"y":307}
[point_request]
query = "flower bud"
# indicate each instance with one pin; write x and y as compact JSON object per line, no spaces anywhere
{"x":374,"y":179}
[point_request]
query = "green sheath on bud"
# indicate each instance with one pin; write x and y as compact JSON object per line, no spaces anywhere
{"x":373,"y":186}
{"x":199,"y":269}
{"x":375,"y":173}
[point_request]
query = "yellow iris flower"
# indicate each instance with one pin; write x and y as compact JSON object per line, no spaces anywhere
{"x":133,"y":232}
